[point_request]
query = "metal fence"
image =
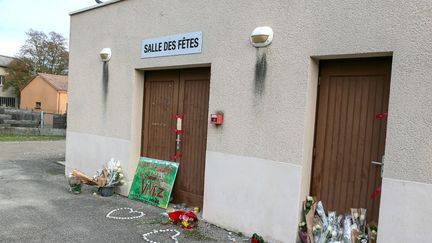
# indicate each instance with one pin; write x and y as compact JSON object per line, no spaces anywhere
{"x":52,"y":120}
{"x":8,"y":101}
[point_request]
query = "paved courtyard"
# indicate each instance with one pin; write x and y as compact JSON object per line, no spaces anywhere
{"x":36,"y":206}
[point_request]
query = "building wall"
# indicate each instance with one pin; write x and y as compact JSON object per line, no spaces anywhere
{"x":268,"y":115}
{"x":5,"y":92}
{"x":38,"y":90}
{"x":62,"y":102}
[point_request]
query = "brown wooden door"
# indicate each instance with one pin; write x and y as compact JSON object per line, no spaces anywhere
{"x":161,"y":90}
{"x":178,"y":92}
{"x":348,"y":134}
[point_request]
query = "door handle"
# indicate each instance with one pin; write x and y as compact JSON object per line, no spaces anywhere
{"x":377,"y":162}
{"x":381,"y":164}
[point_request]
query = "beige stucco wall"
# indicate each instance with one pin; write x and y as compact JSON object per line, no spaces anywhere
{"x":302,"y":29}
{"x":278,"y":124}
{"x":340,"y":27}
{"x":226,"y":46}
{"x":38,"y":90}
{"x":5,"y":92}
{"x":62,"y":104}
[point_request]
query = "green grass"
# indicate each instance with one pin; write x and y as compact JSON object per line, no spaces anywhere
{"x":17,"y":138}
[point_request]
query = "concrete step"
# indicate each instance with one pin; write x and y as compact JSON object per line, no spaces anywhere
{"x":5,"y":117}
{"x":22,"y":123}
{"x":22,"y":114}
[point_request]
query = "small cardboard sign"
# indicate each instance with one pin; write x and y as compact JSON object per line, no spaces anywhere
{"x":153,"y":181}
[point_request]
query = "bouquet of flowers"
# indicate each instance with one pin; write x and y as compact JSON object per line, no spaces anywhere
{"x":106,"y":179}
{"x":257,"y":238}
{"x":372,"y":232}
{"x":303,"y":232}
{"x":309,"y":209}
{"x":111,"y":175}
{"x":332,"y":228}
{"x":74,"y":184}
{"x":186,"y":219}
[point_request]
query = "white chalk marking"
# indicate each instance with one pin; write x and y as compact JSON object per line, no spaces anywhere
{"x":173,"y":237}
{"x":131,"y":211}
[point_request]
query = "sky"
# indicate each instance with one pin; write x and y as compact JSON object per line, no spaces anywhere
{"x":19,"y":16}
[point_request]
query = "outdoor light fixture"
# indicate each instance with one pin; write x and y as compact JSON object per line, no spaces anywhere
{"x":262,"y":36}
{"x":105,"y":54}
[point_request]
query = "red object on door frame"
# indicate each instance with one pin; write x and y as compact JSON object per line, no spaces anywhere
{"x":381,"y":116}
{"x":375,"y":193}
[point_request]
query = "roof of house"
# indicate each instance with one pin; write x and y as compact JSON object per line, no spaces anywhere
{"x":58,"y":82}
{"x":5,"y":61}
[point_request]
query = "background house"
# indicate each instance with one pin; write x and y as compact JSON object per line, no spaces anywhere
{"x":46,"y":92}
{"x":7,"y":96}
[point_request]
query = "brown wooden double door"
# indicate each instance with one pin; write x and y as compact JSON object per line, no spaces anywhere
{"x":182,"y":93}
{"x":350,"y":133}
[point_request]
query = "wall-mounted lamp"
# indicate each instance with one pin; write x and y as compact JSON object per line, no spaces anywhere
{"x":262,"y":36}
{"x":105,"y":54}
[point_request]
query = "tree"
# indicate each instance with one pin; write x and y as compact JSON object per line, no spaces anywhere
{"x":19,"y":73}
{"x":41,"y":53}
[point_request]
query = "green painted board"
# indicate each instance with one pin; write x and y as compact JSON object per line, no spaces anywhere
{"x":153,"y":181}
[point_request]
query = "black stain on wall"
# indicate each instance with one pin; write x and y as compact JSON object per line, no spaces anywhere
{"x":260,"y":72}
{"x":105,"y":81}
{"x":104,"y":87}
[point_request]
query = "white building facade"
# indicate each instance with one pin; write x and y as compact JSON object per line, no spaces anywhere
{"x":259,"y":165}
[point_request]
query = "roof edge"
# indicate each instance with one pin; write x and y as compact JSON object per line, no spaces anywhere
{"x":25,"y":86}
{"x":94,"y":7}
{"x":48,"y":82}
{"x":8,"y":57}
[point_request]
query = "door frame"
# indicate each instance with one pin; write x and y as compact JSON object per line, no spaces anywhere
{"x":313,"y":98}
{"x":142,"y":74}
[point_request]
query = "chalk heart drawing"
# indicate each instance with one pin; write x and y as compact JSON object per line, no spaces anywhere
{"x":155,"y":232}
{"x":132,"y":214}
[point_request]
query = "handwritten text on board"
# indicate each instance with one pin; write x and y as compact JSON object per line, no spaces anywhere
{"x":153,"y":181}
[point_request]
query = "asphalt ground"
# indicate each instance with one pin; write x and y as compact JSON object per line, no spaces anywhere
{"x":36,"y":205}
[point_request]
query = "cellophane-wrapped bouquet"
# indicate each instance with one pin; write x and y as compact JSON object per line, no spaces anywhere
{"x":111,"y":175}
{"x":319,"y":227}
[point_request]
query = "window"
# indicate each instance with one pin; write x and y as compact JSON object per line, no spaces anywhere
{"x":1,"y":80}
{"x":38,"y":105}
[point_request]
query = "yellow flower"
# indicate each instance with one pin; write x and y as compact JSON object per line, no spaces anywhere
{"x":185,"y":223}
